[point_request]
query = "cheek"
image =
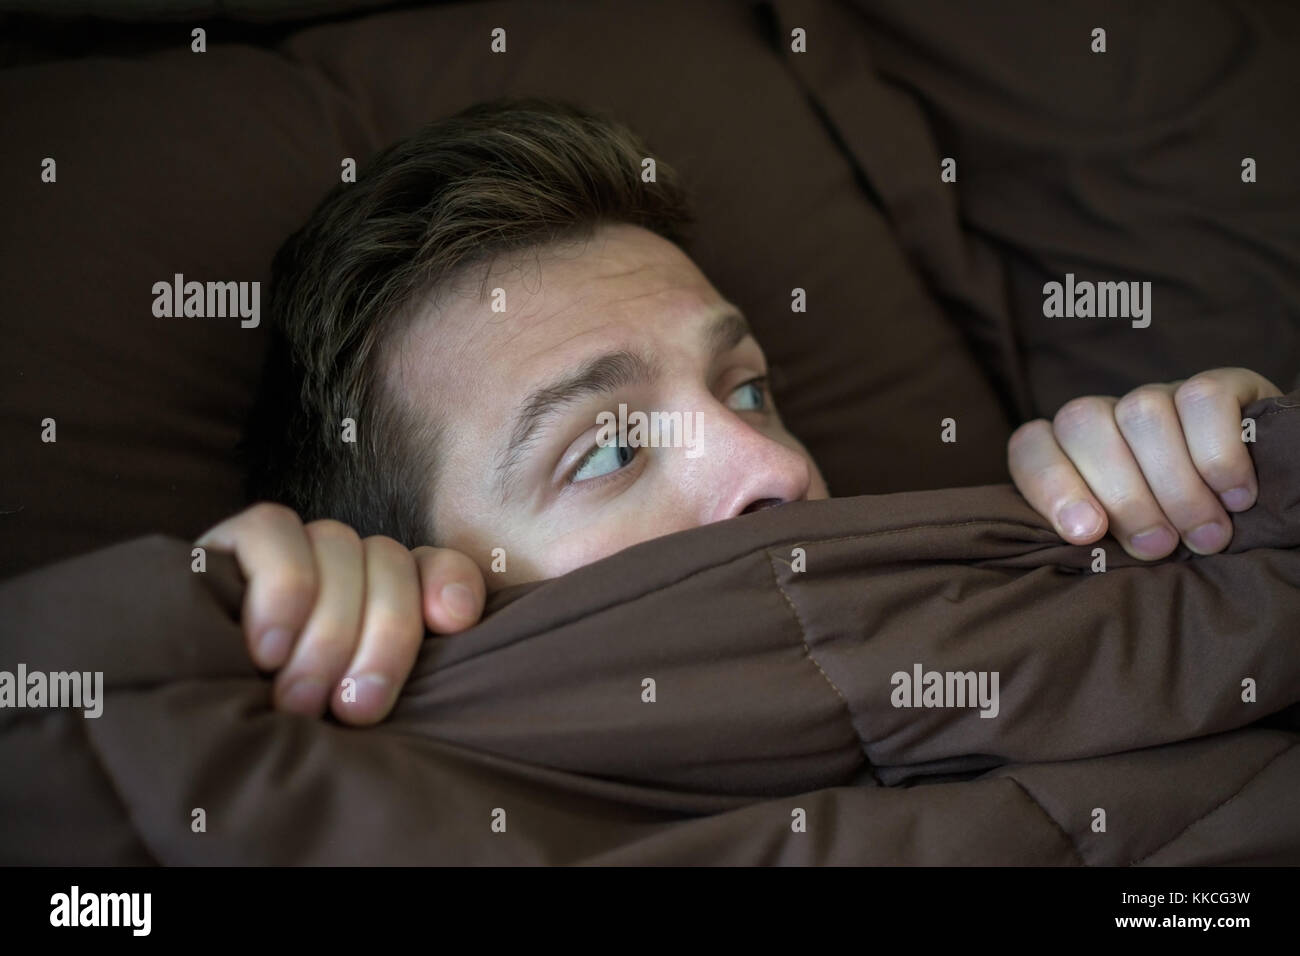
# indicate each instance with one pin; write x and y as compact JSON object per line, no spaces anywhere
{"x":467,"y":522}
{"x":591,"y":542}
{"x":569,"y":537}
{"x":583,"y":537}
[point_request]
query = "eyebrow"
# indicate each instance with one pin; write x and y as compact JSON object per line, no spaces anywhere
{"x":601,"y":374}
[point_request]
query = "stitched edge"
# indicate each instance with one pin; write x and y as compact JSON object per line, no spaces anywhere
{"x":803,"y":636}
{"x":807,"y":649}
{"x":1221,"y":804}
{"x":1069,"y":840}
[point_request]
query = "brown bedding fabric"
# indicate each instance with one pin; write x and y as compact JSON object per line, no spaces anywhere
{"x":202,"y":164}
{"x":1119,"y":691}
{"x":1116,"y":166}
{"x":193,"y":10}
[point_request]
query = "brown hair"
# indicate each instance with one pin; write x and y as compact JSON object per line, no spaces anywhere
{"x":500,"y":176}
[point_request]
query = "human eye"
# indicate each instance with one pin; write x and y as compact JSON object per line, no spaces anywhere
{"x":750,"y":396}
{"x":602,"y":460}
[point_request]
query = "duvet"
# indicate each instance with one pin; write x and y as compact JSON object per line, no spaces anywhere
{"x":919,"y":678}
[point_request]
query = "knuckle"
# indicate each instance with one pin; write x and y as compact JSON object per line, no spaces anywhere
{"x":460,"y":564}
{"x":292,"y":587}
{"x":1130,"y":508}
{"x":1191,"y":508}
{"x":449,"y":563}
{"x":270,"y":514}
{"x":332,"y":530}
{"x":1078,"y":414}
{"x":1060,"y":480}
{"x":388,"y":548}
{"x":1223,"y":469}
{"x":1198,"y":390}
{"x":423,"y":556}
{"x":330,"y":644}
{"x":391,"y":628}
{"x":1028,"y":435}
{"x":1141,"y":407}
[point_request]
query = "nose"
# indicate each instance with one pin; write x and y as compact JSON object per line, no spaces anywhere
{"x":754,"y":472}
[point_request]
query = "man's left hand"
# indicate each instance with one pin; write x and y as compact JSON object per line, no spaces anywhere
{"x":1163,"y":463}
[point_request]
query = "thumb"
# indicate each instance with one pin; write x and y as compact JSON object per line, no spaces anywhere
{"x":452,"y":589}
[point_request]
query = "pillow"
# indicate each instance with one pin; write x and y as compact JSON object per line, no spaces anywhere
{"x":136,"y":10}
{"x":1116,"y":166}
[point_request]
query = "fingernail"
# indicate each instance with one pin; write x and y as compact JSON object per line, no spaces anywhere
{"x":305,"y":696}
{"x":1207,"y":538}
{"x":274,"y":646}
{"x":460,"y":601}
{"x":374,"y":693}
{"x":1154,"y":542}
{"x":1236,"y":499}
{"x":1080,"y":519}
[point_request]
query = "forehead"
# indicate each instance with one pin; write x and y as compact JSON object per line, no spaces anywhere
{"x":625,"y":287}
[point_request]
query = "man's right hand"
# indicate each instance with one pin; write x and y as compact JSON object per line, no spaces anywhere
{"x":323,"y":605}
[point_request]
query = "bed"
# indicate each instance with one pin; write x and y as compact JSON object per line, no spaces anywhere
{"x":1144,"y":713}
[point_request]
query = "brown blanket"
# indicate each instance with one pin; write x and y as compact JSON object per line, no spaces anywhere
{"x":1124,"y":728}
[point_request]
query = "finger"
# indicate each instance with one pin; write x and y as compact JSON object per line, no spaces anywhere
{"x":276,"y":559}
{"x":1209,"y":408}
{"x":1052,"y":485}
{"x":330,"y":637}
{"x":391,"y":631}
{"x":1085,"y":429}
{"x":452,"y":587}
{"x":1150,"y":425}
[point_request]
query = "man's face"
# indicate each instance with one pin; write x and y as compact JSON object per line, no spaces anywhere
{"x":626,"y":319}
